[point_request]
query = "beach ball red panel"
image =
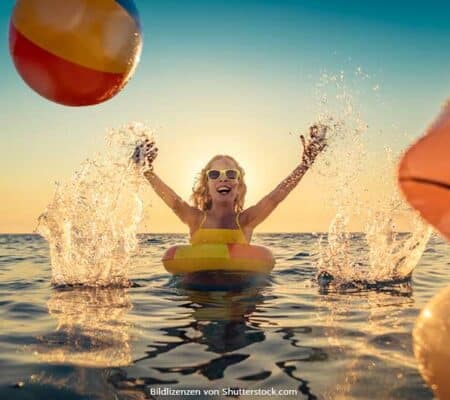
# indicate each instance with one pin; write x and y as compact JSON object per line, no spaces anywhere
{"x":75,"y":52}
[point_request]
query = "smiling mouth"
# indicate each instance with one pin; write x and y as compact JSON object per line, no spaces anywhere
{"x":223,"y":190}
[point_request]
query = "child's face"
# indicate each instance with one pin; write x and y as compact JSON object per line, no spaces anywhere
{"x":223,"y":190}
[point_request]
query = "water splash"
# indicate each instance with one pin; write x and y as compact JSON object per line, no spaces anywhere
{"x":92,"y":221}
{"x":364,"y":184}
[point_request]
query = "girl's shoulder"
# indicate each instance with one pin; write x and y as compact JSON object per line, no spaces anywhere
{"x":197,"y":219}
{"x":242,"y":218}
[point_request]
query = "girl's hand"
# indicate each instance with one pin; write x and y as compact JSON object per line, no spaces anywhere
{"x":315,"y":144}
{"x":144,"y":154}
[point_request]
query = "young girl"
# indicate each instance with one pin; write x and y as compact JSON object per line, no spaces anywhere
{"x":217,"y":214}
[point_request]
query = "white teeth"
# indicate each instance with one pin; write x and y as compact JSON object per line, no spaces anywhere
{"x":223,"y":189}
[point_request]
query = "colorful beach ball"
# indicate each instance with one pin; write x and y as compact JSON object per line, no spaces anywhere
{"x":424,"y":174}
{"x":75,"y":52}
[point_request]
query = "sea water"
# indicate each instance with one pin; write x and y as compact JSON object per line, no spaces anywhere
{"x":106,"y":343}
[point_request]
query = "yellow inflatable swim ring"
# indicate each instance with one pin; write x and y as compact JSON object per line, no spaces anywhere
{"x":230,"y":257}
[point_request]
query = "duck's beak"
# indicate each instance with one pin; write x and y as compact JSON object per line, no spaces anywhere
{"x":424,"y":174}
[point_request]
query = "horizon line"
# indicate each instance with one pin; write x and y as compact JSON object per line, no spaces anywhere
{"x":185,"y":233}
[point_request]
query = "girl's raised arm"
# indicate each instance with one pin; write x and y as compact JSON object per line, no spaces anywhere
{"x":145,"y":154}
{"x":256,"y":214}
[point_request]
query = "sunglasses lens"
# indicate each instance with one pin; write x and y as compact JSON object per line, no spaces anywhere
{"x":213,"y":174}
{"x":231,"y":174}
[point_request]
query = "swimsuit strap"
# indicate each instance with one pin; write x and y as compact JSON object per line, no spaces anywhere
{"x":203,"y":220}
{"x":237,"y":221}
{"x":240,"y":228}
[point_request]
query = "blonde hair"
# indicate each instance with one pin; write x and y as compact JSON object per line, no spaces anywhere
{"x":200,"y":193}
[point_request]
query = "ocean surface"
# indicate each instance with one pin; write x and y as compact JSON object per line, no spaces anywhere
{"x":284,"y":338}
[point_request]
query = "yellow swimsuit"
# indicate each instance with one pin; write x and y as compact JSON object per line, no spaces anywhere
{"x":218,"y":235}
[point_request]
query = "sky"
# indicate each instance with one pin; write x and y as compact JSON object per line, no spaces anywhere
{"x":235,"y":77}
